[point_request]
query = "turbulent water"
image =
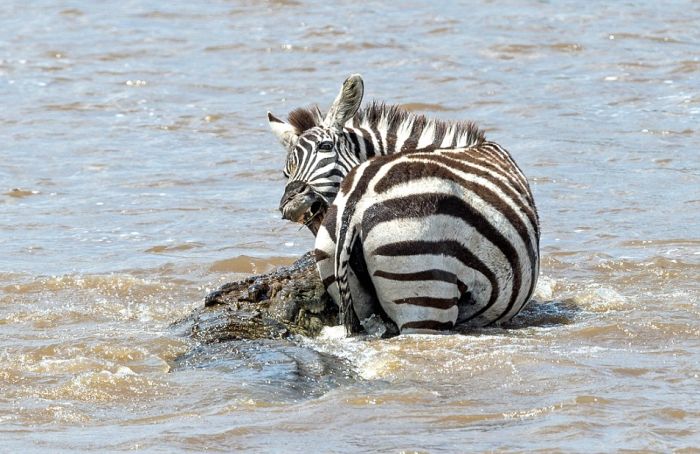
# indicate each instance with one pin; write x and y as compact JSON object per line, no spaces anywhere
{"x":138,"y":173}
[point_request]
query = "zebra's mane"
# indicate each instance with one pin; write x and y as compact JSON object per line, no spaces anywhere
{"x":379,"y":115}
{"x":305,"y":118}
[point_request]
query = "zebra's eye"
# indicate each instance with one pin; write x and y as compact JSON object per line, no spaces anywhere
{"x":326,"y":145}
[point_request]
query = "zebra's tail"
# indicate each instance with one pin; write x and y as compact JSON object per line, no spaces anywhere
{"x":343,"y":253}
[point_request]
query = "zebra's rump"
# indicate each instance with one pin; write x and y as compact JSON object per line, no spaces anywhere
{"x":448,"y":236}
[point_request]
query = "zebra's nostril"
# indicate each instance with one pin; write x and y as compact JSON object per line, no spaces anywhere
{"x":292,"y":190}
{"x":295,"y":187}
{"x":301,"y":203}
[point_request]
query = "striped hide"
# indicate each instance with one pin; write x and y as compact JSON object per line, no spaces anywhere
{"x":434,"y":226}
{"x":431,"y":240}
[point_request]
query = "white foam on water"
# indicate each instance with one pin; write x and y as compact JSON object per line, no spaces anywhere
{"x":600,"y":298}
{"x":544,"y":291}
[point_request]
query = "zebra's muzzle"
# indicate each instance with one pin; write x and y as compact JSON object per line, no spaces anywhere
{"x":300,"y":203}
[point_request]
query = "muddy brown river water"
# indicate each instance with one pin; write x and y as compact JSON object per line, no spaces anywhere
{"x":137,"y":173}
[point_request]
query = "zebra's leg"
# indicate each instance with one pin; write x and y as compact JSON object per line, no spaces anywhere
{"x":324,"y":253}
{"x":417,"y":292}
{"x":324,"y":250}
{"x":474,"y":299}
{"x":343,"y":272}
{"x":364,"y":299}
{"x":365,"y":303}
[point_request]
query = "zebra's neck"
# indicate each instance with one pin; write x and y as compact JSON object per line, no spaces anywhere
{"x":381,"y":130}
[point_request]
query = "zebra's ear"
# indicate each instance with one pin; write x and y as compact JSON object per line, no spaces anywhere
{"x":346,"y":103}
{"x":286,"y":133}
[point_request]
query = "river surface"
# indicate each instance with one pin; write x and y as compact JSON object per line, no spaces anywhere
{"x":137,"y":172}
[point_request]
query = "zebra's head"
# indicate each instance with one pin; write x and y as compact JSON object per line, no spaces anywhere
{"x":318,"y":154}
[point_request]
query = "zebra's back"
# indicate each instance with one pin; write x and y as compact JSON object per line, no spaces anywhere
{"x":448,"y":237}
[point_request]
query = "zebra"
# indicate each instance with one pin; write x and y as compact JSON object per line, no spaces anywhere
{"x":490,"y":273}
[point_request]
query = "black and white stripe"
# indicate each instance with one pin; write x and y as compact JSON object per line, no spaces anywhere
{"x":434,"y":226}
{"x":448,"y":237}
